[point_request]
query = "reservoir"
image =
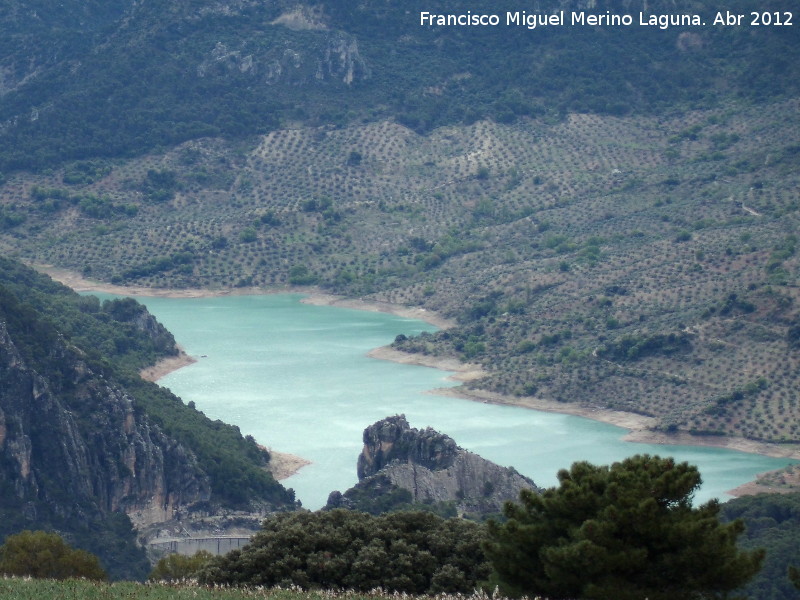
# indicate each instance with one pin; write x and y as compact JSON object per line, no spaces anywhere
{"x":296,"y":377}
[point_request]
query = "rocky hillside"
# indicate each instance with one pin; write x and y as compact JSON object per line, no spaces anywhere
{"x":430,"y":468}
{"x":81,"y":444}
{"x":74,"y":440}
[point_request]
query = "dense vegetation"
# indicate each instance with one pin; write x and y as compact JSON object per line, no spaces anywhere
{"x":377,"y":495}
{"x":772,"y":522}
{"x":622,"y":532}
{"x":46,"y":556}
{"x":179,"y":567}
{"x":411,"y":552}
{"x":615,"y":532}
{"x":110,"y":537}
{"x":166,"y":73}
{"x":112,"y":334}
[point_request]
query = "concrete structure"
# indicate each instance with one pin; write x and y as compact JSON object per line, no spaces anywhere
{"x":188,"y":546}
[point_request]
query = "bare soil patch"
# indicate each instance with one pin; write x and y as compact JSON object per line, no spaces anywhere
{"x":283,"y":465}
{"x":166,"y":366}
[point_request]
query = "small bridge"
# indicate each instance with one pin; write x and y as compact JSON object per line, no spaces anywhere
{"x":189,"y":545}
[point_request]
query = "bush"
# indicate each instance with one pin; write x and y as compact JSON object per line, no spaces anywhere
{"x":411,"y":552}
{"x":302,"y":275}
{"x":46,"y":556}
{"x":177,"y":567}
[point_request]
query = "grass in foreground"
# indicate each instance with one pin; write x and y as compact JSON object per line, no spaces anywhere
{"x":74,"y":589}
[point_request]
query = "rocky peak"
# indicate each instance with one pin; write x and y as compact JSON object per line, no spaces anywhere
{"x":394,"y":439}
{"x":431,"y":468}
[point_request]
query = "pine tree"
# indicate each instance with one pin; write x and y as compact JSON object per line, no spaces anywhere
{"x":619,"y":532}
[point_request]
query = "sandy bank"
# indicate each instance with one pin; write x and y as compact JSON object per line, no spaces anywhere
{"x":283,"y":465}
{"x":408,"y":312}
{"x":790,"y":451}
{"x":166,"y":366}
{"x":751,"y":488}
{"x":639,"y":431}
{"x":781,"y":481}
{"x":627,"y":420}
{"x":462,"y":371}
{"x":638,"y":426}
{"x":79,"y":283}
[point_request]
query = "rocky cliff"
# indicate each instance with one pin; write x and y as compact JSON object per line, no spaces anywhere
{"x":74,"y":442}
{"x":431,"y":468}
{"x":85,"y":441}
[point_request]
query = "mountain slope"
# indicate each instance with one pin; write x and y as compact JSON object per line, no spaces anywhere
{"x":39,"y":35}
{"x":80,"y":441}
{"x":643,"y":264}
{"x":161,"y":72}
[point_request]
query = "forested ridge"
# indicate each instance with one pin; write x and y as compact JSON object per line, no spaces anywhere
{"x":70,"y":372}
{"x":773,"y":523}
{"x":124,"y":78}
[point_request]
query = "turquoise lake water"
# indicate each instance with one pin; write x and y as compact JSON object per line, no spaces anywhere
{"x":296,"y":377}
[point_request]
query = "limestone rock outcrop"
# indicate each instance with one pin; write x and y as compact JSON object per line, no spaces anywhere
{"x":432,"y":468}
{"x":74,"y":442}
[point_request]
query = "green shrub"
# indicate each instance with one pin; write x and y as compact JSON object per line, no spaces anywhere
{"x":411,"y":552}
{"x":177,"y":567}
{"x":46,"y":556}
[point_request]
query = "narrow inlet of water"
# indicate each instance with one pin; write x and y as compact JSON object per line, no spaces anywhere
{"x":296,"y":377}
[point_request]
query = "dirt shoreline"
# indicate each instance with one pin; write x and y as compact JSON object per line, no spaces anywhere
{"x":283,"y":465}
{"x":408,"y":312}
{"x":79,"y":283}
{"x":461,"y":371}
{"x":638,"y":425}
{"x":166,"y":366}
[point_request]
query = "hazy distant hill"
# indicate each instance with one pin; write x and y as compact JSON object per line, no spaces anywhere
{"x":110,"y":79}
{"x":610,"y":214}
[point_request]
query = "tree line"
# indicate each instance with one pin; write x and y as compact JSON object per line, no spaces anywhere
{"x":628,"y":530}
